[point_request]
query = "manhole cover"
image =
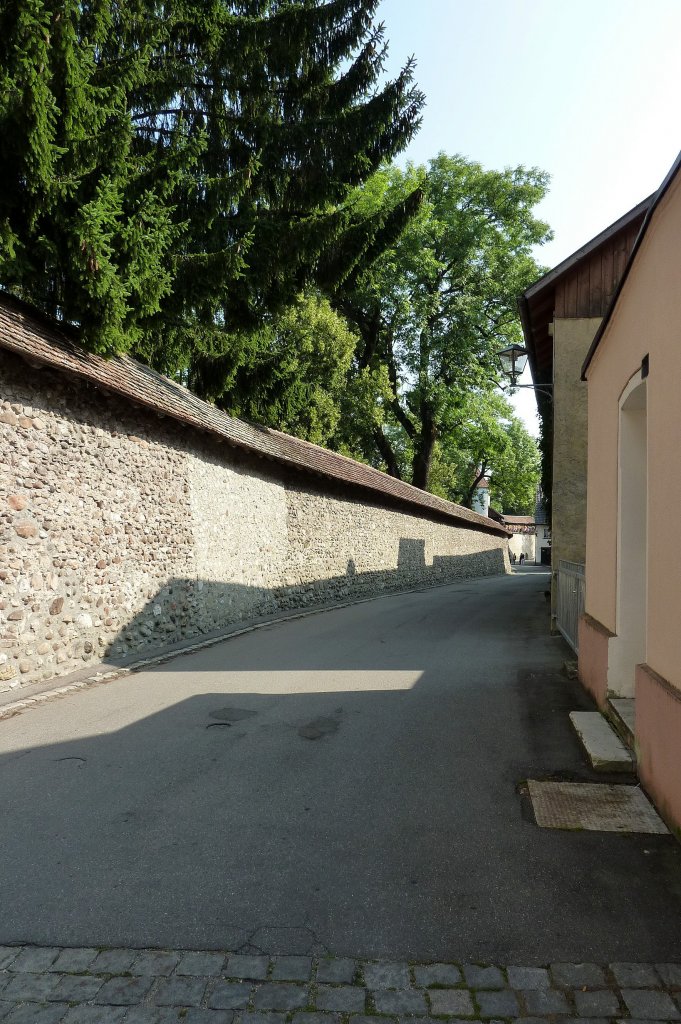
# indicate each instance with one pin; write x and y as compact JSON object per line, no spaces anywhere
{"x":597,"y":808}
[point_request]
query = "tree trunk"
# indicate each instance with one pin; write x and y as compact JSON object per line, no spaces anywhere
{"x":423,"y":454}
{"x":387,"y":453}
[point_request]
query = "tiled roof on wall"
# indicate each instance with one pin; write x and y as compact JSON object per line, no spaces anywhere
{"x":40,"y":341}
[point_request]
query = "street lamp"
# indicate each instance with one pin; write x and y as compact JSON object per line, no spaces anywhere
{"x":513,"y":361}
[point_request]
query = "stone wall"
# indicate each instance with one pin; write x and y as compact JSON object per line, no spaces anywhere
{"x":122,"y":533}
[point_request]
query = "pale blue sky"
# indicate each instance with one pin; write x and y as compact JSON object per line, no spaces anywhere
{"x":588,"y":90}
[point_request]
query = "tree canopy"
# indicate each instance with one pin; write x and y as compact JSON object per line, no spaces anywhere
{"x":432,"y":311}
{"x":175,"y":174}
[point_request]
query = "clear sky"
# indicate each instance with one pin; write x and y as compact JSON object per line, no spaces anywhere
{"x":588,"y":90}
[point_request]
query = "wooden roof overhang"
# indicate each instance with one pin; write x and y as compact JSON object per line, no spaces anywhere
{"x":581,"y":286}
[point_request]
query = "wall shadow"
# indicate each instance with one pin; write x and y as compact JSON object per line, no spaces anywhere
{"x":344,"y":783}
{"x":188,"y":609}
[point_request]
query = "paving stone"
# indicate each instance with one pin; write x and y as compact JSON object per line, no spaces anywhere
{"x":670,"y":974}
{"x":250,"y":968}
{"x":387,"y":975}
{"x":528,"y":977}
{"x":229,"y":995}
{"x":34,"y":987}
{"x":339,"y":970}
{"x":124,"y":991}
{"x":201,"y":964}
{"x":155,"y":962}
{"x":7,"y":955}
{"x":404,"y":1000}
{"x":36,"y":1013}
{"x":263,"y":1018}
{"x":95,"y":1015}
{"x":363,"y":1019}
{"x":154,"y":1015}
{"x":437,"y":974}
{"x":578,"y":975}
{"x":315,"y":1018}
{"x":114,"y":961}
{"x":597,"y":1003}
{"x":544,"y":1001}
{"x":194,"y":1016}
{"x":291,"y":968}
{"x":502,"y":1003}
{"x":342,"y":998}
{"x":281,"y":997}
{"x":36,"y":958}
{"x":451,"y":1002}
{"x":5,"y":980}
{"x":635,"y":1020}
{"x":5,"y":1008}
{"x":180,"y":991}
{"x":636,"y":975}
{"x":649,"y":1004}
{"x":73,"y":961}
{"x":483,"y":977}
{"x":77,"y":988}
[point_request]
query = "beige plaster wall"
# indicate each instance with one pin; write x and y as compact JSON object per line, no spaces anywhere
{"x":571,"y":341}
{"x":646,"y":321}
{"x":523,"y":544}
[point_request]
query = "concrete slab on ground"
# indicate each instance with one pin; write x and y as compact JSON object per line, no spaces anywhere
{"x":603,"y":747}
{"x":597,"y":808}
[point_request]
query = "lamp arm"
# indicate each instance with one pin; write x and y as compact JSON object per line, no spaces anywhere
{"x":543,"y":389}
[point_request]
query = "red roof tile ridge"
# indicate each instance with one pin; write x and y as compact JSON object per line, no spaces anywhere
{"x":32,"y":335}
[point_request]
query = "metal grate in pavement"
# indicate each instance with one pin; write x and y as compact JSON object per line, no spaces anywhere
{"x":596,"y":808}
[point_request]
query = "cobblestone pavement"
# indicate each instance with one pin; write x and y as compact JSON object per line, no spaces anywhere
{"x":50,"y":985}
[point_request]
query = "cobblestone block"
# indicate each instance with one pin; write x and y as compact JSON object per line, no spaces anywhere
{"x":670,"y":974}
{"x":649,"y":1004}
{"x":34,"y":987}
{"x":503,"y":1003}
{"x":402,"y":1001}
{"x":250,"y":968}
{"x":483,"y":977}
{"x":339,"y":971}
{"x":578,"y":975}
{"x":36,"y":1013}
{"x":194,"y":1016}
{"x":95,"y":1015}
{"x":77,"y":988}
{"x":180,"y":991}
{"x":545,"y":1001}
{"x":341,"y":998}
{"x":597,"y":1003}
{"x":154,"y":1015}
{"x":155,"y":962}
{"x":124,"y":991}
{"x":36,"y":958}
{"x":315,"y":1018}
{"x":114,"y":961}
{"x":262,"y":1018}
{"x":451,"y":1003}
{"x":201,"y":964}
{"x":229,"y":995}
{"x":437,"y":974}
{"x":291,"y":968}
{"x":363,"y":1019}
{"x":281,"y":997}
{"x":7,"y":955}
{"x":528,"y":978}
{"x":636,"y":975}
{"x":387,"y":975}
{"x":73,"y":961}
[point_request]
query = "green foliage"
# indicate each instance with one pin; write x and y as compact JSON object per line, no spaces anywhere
{"x":295,"y":379}
{"x":175,"y":175}
{"x":436,"y":306}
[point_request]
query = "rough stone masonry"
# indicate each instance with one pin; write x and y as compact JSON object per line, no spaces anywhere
{"x":125,"y":530}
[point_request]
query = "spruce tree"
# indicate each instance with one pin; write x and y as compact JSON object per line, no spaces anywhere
{"x":176,"y":174}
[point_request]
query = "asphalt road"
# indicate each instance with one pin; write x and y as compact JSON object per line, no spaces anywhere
{"x":344,"y":782}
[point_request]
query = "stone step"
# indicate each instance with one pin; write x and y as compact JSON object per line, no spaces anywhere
{"x":605,"y":750}
{"x":622,"y":713}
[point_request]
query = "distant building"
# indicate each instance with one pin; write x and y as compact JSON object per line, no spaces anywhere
{"x":480,"y":502}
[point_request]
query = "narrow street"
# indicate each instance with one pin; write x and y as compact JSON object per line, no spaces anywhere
{"x":344,"y":783}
